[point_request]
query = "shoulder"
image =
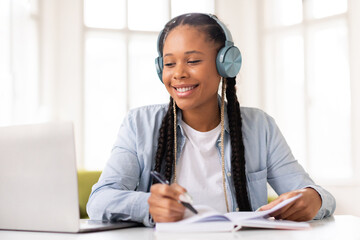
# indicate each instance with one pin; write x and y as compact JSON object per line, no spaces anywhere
{"x":141,"y":125}
{"x":147,"y":116}
{"x":148,"y":111}
{"x":254,"y":115}
{"x":255,"y":119}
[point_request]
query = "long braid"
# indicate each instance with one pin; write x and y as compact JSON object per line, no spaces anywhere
{"x":165,"y":144}
{"x":237,"y":147}
{"x":161,"y":144}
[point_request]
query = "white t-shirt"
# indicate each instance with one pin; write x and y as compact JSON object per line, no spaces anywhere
{"x":199,"y":168}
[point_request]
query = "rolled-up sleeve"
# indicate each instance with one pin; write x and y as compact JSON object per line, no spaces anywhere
{"x":328,"y":203}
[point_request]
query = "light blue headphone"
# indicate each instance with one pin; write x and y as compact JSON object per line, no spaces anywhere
{"x":228,"y":60}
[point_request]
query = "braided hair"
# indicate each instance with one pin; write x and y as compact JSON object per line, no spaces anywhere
{"x":164,"y":159}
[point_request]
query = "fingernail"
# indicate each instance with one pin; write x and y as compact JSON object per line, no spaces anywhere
{"x":185,"y":197}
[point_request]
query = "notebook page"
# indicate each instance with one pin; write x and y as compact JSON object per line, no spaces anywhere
{"x":205,"y":214}
{"x":236,"y":216}
{"x":274,"y":224}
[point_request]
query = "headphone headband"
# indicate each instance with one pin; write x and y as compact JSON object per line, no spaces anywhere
{"x":227,"y":33}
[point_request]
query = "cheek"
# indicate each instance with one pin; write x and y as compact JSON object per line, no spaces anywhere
{"x":214,"y":71}
{"x":211,"y":75}
{"x":166,"y":76}
{"x":166,"y":81}
{"x":209,"y":70}
{"x":213,"y":83}
{"x":168,"y":88}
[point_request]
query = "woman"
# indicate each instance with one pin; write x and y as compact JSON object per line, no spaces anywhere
{"x":219,"y":153}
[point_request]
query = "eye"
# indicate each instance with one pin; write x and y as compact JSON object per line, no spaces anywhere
{"x":169,"y":64}
{"x":194,"y":61}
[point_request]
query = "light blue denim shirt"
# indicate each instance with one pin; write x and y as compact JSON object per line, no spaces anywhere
{"x":123,"y":188}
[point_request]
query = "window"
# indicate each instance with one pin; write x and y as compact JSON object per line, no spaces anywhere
{"x":19,"y":65}
{"x":307,"y":82}
{"x":120,"y":50}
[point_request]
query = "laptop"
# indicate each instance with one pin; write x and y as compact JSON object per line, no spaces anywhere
{"x":38,"y":181}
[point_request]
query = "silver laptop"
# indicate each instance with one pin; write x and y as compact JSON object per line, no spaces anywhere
{"x":38,"y":180}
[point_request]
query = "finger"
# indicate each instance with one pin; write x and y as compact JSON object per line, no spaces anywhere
{"x":166,"y":209}
{"x":165,"y":204}
{"x":303,"y":214}
{"x":299,"y":211}
{"x":167,"y":218}
{"x":170,"y":191}
{"x":297,"y":216}
{"x":272,"y":204}
{"x":284,"y":211}
{"x":303,"y":209}
{"x":179,"y":190}
{"x":299,"y":204}
{"x":281,"y":198}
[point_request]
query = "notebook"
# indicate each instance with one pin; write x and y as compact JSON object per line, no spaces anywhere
{"x":38,"y":180}
{"x":208,"y":220}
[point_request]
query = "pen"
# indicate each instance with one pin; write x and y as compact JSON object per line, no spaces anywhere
{"x":162,"y":180}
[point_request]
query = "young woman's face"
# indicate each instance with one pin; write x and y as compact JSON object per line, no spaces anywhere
{"x":189,"y":73}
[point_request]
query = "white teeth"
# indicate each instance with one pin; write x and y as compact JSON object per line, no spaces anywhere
{"x":185,"y":89}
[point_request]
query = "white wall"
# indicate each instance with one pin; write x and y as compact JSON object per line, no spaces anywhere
{"x":241,"y":18}
{"x":348,"y":194}
{"x":61,"y":59}
{"x":346,"y":198}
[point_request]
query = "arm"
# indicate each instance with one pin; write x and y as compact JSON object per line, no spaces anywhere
{"x":287,"y":177}
{"x":116,"y":196}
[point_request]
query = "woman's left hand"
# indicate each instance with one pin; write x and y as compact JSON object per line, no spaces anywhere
{"x":304,"y":208}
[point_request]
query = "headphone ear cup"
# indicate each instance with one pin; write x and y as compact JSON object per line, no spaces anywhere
{"x":159,"y":67}
{"x":228,"y":61}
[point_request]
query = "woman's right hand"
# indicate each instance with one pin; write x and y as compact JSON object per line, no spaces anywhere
{"x":164,"y":205}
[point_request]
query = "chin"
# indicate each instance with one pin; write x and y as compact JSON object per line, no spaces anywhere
{"x":185,"y":106}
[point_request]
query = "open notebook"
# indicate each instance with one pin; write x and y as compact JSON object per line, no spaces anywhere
{"x":208,"y":220}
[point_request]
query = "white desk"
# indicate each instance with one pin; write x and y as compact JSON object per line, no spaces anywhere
{"x":340,"y":227}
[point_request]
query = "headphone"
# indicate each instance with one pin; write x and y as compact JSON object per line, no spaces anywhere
{"x":228,"y":59}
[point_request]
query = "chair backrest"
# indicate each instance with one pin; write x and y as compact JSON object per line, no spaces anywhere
{"x":86,"y":179}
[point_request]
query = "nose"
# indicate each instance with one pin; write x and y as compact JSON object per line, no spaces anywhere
{"x":180,"y":72}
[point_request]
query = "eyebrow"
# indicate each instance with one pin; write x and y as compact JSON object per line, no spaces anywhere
{"x":187,"y":52}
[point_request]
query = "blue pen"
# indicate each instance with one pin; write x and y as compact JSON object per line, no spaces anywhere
{"x":161,"y":179}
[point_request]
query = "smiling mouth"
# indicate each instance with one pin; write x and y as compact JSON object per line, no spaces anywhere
{"x":185,"y":89}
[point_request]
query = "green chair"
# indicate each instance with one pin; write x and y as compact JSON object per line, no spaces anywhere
{"x":86,"y":179}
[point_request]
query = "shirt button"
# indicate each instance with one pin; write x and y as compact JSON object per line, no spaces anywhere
{"x":229,"y":174}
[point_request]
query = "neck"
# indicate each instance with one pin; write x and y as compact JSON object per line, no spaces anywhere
{"x":203,"y":120}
